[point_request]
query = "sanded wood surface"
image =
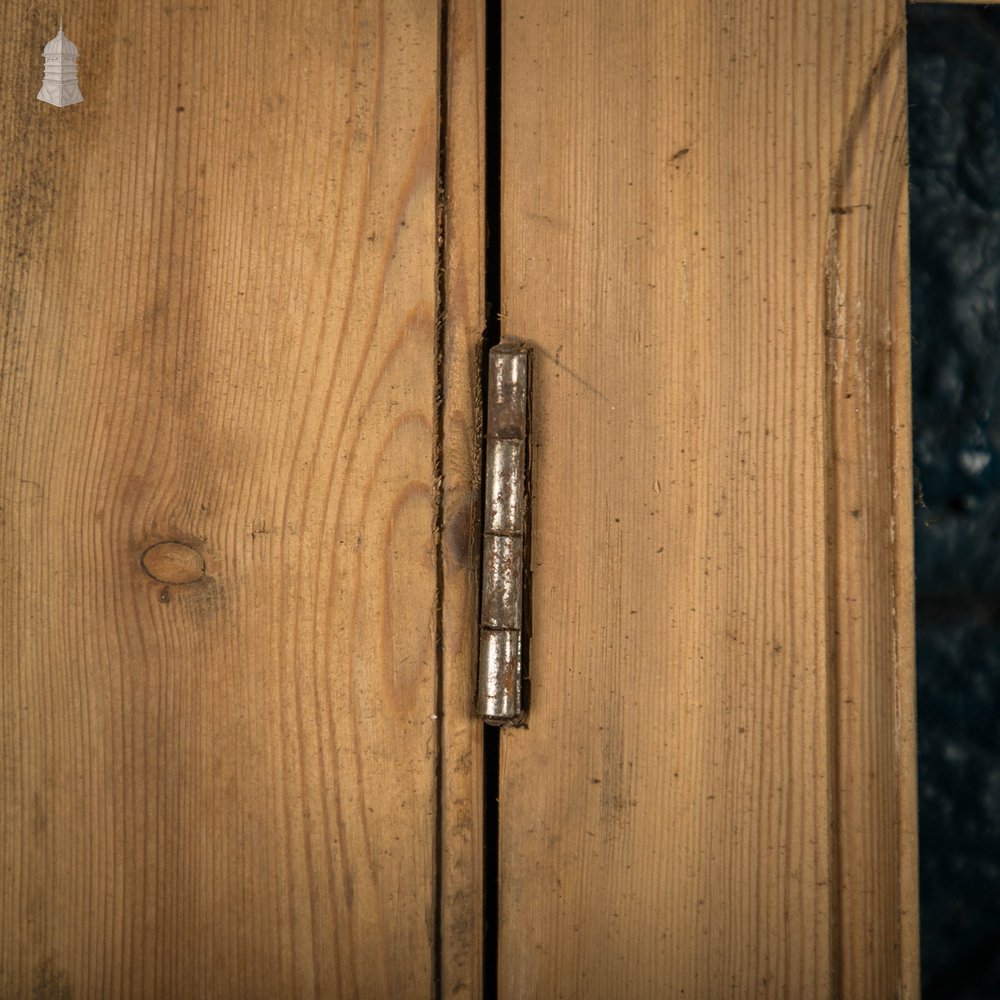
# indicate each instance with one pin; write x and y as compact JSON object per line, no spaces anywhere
{"x":870,"y":630}
{"x":217,"y":293}
{"x":704,"y":237}
{"x":463,"y":319}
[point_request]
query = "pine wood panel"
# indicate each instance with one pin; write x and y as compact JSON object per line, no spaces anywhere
{"x":463,"y":319}
{"x":218,"y":292}
{"x":704,"y":236}
{"x":870,"y":630}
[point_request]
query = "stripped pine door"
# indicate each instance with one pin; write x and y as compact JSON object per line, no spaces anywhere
{"x":242,"y":297}
{"x":217,"y":302}
{"x":703,"y":233}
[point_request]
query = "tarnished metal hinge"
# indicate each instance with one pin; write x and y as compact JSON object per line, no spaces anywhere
{"x":503,"y":615}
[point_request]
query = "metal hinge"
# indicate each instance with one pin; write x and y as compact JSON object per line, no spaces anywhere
{"x":503,"y":617}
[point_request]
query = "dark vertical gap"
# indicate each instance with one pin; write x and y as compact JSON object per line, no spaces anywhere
{"x":492,"y":289}
{"x":491,"y":859}
{"x":440,"y":313}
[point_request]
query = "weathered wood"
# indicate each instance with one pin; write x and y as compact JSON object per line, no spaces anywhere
{"x":704,"y":237}
{"x":464,"y":321}
{"x":218,"y":290}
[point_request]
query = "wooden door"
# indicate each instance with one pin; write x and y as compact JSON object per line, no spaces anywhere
{"x":703,"y":211}
{"x":219,"y":626}
{"x":243,"y":303}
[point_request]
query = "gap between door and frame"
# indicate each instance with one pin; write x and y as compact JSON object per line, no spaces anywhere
{"x":490,"y":336}
{"x":493,"y":297}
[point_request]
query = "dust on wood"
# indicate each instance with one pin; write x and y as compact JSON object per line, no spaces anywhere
{"x":217,"y":294}
{"x":692,"y":812}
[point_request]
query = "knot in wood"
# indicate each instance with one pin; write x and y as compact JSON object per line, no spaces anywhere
{"x":173,"y":562}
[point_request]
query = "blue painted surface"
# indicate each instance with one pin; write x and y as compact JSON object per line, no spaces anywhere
{"x":954,"y":80}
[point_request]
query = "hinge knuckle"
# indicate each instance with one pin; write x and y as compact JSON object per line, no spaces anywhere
{"x":504,"y":487}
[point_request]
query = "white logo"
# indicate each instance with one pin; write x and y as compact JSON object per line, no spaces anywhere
{"x":60,"y":86}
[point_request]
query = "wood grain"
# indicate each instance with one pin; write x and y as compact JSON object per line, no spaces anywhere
{"x":464,"y":320}
{"x":218,"y":293}
{"x":704,"y":236}
{"x":869,"y":503}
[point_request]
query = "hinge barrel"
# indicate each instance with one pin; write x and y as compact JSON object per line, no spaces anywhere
{"x":505,"y":536}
